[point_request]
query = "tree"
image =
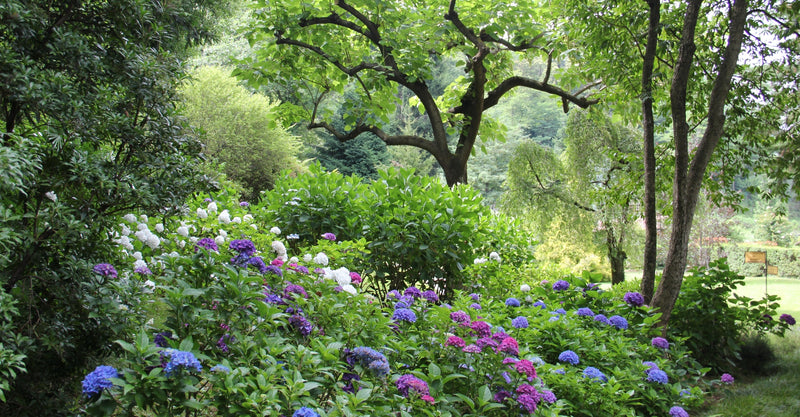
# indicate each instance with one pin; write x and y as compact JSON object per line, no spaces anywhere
{"x":91,"y":129}
{"x":390,"y":46}
{"x":595,"y":188}
{"x":241,"y":130}
{"x":687,"y":72}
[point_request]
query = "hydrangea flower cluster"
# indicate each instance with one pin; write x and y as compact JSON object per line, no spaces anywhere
{"x":302,"y":324}
{"x":179,"y":359}
{"x":678,"y":411}
{"x":370,"y":359}
{"x":656,"y":375}
{"x":460,"y":316}
{"x":329,"y":236}
{"x":788,"y":319}
{"x":660,"y":343}
{"x":430,"y":296}
{"x":98,"y":380}
{"x":408,"y":384}
{"x":305,"y":412}
{"x":404,"y":314}
{"x":585,"y":312}
{"x":512,"y":302}
{"x":560,"y":285}
{"x":618,"y":322}
{"x":594,"y":374}
{"x":726,"y":378}
{"x":520,"y":322}
{"x":455,"y":341}
{"x":106,"y":270}
{"x":634,"y":299}
{"x":569,"y":357}
{"x":206,"y":243}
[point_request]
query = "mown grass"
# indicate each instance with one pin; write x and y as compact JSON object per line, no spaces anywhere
{"x":776,"y":394}
{"x":787,"y":288}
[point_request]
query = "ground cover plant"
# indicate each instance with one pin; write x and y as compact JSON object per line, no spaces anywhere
{"x":233,"y":316}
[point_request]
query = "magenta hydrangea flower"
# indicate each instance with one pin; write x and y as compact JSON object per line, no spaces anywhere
{"x":355,"y":278}
{"x":509,"y":346}
{"x":408,"y":384}
{"x":726,"y":378}
{"x":455,"y":341}
{"x":660,"y":343}
{"x":525,"y":366}
{"x":634,"y":299}
{"x":481,"y":328}
{"x":473,"y":348}
{"x":459,"y":316}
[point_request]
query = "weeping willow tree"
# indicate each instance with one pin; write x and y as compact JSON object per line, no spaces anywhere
{"x":591,"y":188}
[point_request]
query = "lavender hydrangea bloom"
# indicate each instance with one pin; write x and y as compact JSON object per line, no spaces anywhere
{"x":106,"y":270}
{"x":657,"y":376}
{"x":393,"y":294}
{"x":301,"y":324}
{"x":257,"y":262}
{"x":161,"y":339}
{"x":475,"y":297}
{"x":404,"y":314}
{"x":726,"y":378}
{"x":431,"y":296}
{"x":243,"y":246}
{"x":96,"y":381}
{"x":371,"y":359}
{"x":294,"y":289}
{"x":413,"y":292}
{"x":678,"y":411}
{"x":512,"y":302}
{"x":275,"y":270}
{"x":409,"y":383}
{"x":548,"y":397}
{"x":329,"y":236}
{"x":660,"y":343}
{"x":602,"y":319}
{"x":540,"y":304}
{"x":305,"y":412}
{"x":634,"y":299}
{"x":585,"y":312}
{"x":650,"y":365}
{"x":206,"y":243}
{"x":181,"y":359}
{"x":481,"y":328}
{"x":471,"y":349}
{"x":459,"y":317}
{"x":528,"y":402}
{"x":569,"y":357}
{"x":520,"y":322}
{"x":560,"y":285}
{"x":618,"y":322}
{"x":475,"y":306}
{"x":593,"y":373}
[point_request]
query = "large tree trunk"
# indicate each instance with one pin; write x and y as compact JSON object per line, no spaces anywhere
{"x":687,"y":184}
{"x":648,"y":127}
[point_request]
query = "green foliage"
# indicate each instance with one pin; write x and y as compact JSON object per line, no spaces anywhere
{"x":240,"y":130}
{"x":714,"y":319}
{"x":785,"y":259}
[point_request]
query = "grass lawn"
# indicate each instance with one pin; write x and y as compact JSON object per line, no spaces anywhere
{"x":787,"y":288}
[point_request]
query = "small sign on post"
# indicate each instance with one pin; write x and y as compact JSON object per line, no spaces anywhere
{"x":753,"y":257}
{"x":772,"y":270}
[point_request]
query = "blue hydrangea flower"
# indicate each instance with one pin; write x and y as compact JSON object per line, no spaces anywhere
{"x":657,"y":375}
{"x":305,"y":412}
{"x":560,"y":285}
{"x":540,"y":304}
{"x":585,"y":312}
{"x":520,"y":322}
{"x":475,"y":306}
{"x":96,"y":381}
{"x":678,"y":411}
{"x":560,"y":311}
{"x":404,"y":314}
{"x":660,"y":343}
{"x":602,"y":319}
{"x":475,"y":297}
{"x":593,"y":373}
{"x":512,"y":302}
{"x":430,"y":295}
{"x":371,"y":359}
{"x":220,"y":368}
{"x":618,"y":322}
{"x":181,"y":359}
{"x":634,"y":299}
{"x":569,"y":357}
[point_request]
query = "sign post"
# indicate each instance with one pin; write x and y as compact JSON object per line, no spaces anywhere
{"x":757,"y":257}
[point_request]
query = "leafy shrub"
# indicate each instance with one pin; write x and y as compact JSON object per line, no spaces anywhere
{"x":786,"y":259}
{"x":714,"y":319}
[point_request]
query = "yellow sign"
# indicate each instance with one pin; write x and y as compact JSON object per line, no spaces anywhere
{"x":755,"y":257}
{"x":772,"y":270}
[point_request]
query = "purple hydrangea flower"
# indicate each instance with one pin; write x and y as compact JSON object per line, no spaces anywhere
{"x":206,"y":243}
{"x":650,"y":364}
{"x":431,"y":296}
{"x":455,"y":341}
{"x":475,"y":297}
{"x":180,"y":359}
{"x":244,"y":204}
{"x":569,"y":357}
{"x":509,"y":346}
{"x":106,"y":270}
{"x":305,"y":412}
{"x":726,"y":378}
{"x":471,"y":349}
{"x":329,"y":236}
{"x":788,"y":319}
{"x":540,"y":304}
{"x":459,"y":316}
{"x":408,"y":383}
{"x":520,"y":322}
{"x":255,"y":261}
{"x":593,"y":373}
{"x":404,"y":314}
{"x":371,"y":359}
{"x":660,"y":343}
{"x":96,"y":381}
{"x":585,"y":312}
{"x":481,"y":328}
{"x":512,"y":302}
{"x":243,"y":246}
{"x":602,"y":319}
{"x":413,"y":292}
{"x":484,"y":342}
{"x":475,"y":306}
{"x":276,"y":270}
{"x":548,"y":397}
{"x":560,"y":285}
{"x":294,"y":289}
{"x":143,"y":270}
{"x":678,"y":411}
{"x":161,"y":339}
{"x":658,"y":376}
{"x":301,"y":324}
{"x":634,"y":299}
{"x":393,"y":294}
{"x":618,"y":322}
{"x":502,"y":395}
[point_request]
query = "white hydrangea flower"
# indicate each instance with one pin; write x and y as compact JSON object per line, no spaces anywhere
{"x":181,"y":244}
{"x":148,"y":286}
{"x":137,"y":255}
{"x":173,"y":254}
{"x":224,"y":217}
{"x":212,"y":207}
{"x":223,"y":233}
{"x":153,"y":241}
{"x":248,"y":218}
{"x":139,"y":263}
{"x":341,"y":276}
{"x":275,"y":230}
{"x":524,"y":287}
{"x":194,"y":239}
{"x":307,"y":258}
{"x":529,"y":299}
{"x":254,"y":226}
{"x":142,"y":235}
{"x":143,"y":218}
{"x":160,"y":228}
{"x":479,"y":261}
{"x":130,"y":218}
{"x":494,"y":256}
{"x":294,"y":259}
{"x":237,"y":220}
{"x":219,"y":240}
{"x":142,"y":226}
{"x":183,"y":231}
{"x":349,"y":289}
{"x":321,"y":259}
{"x":202,"y":213}
{"x":126,"y":231}
{"x":279,"y":248}
{"x":52,"y":196}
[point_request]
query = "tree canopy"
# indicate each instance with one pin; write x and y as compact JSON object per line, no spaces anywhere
{"x":388,"y":47}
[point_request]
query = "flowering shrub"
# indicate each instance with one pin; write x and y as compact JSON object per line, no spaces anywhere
{"x":296,"y":334}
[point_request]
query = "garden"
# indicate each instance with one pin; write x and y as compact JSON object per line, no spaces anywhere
{"x":237,"y":308}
